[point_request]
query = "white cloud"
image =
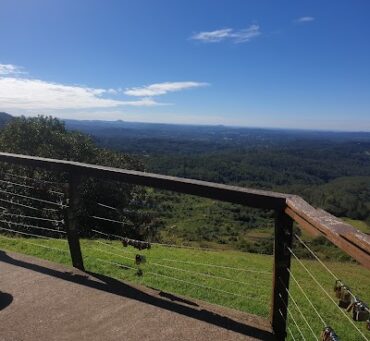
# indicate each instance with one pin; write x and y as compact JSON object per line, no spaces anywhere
{"x":162,"y":88}
{"x":21,"y":94}
{"x":304,"y":19}
{"x":236,"y":36}
{"x":213,"y":36}
{"x":10,"y":69}
{"x":34,"y":94}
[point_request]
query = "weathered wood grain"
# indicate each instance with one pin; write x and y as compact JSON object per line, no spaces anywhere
{"x":352,"y":241}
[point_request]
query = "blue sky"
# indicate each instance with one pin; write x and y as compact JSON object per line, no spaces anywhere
{"x":295,"y":64}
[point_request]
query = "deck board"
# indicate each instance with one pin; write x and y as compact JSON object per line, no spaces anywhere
{"x":49,"y":301}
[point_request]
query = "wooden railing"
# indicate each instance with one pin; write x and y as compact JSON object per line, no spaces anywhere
{"x":288,"y":209}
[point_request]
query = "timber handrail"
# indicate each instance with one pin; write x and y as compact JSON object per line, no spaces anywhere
{"x":350,"y":240}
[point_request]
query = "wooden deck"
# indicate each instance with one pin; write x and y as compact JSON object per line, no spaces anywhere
{"x":40,"y":300}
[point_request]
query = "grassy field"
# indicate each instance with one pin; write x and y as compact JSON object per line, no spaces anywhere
{"x":247,"y":287}
{"x":358,"y":224}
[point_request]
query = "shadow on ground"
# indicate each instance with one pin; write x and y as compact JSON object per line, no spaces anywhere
{"x":5,"y":300}
{"x":113,"y":286}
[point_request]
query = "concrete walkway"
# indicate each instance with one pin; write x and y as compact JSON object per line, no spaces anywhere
{"x":40,"y":300}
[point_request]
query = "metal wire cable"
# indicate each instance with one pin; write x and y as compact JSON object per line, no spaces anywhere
{"x":107,"y":206}
{"x":326,"y":293}
{"x":106,"y":234}
{"x":51,"y":209}
{"x":298,"y":308}
{"x":153,"y":243}
{"x":187,"y":247}
{"x":110,"y":262}
{"x":20,"y":204}
{"x":203,"y":286}
{"x":219,"y":266}
{"x":316,"y":257}
{"x":116,"y":248}
{"x":115,"y":236}
{"x":32,"y":217}
{"x":34,"y":179}
{"x":34,"y":244}
{"x":307,"y":298}
{"x":24,"y":233}
{"x":34,"y":199}
{"x":28,"y":186}
{"x":187,"y":262}
{"x":178,"y":269}
{"x":114,"y":254}
{"x":16,"y":184}
{"x":289,"y":330}
{"x":31,"y":234}
{"x":292,"y":317}
{"x":326,"y":268}
{"x":200,"y":273}
{"x":107,"y":219}
{"x":323,"y":264}
{"x":291,"y":334}
{"x":31,"y":226}
{"x":173,"y":278}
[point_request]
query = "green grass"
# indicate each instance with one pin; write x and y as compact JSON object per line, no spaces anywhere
{"x":358,"y":224}
{"x":252,"y":297}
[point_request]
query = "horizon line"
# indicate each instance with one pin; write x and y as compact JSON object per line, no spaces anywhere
{"x":203,"y":124}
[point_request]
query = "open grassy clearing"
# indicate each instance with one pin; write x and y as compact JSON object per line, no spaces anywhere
{"x":358,"y":224}
{"x":251,"y":289}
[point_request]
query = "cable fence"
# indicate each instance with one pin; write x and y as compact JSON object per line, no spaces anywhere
{"x":108,"y":228}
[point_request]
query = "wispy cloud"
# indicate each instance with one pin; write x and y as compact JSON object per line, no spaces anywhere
{"x":10,"y":69}
{"x":236,"y":36}
{"x":304,"y":19}
{"x":23,"y":93}
{"x":162,"y":88}
{"x":34,"y":94}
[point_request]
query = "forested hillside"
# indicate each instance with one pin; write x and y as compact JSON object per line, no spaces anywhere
{"x":329,"y":169}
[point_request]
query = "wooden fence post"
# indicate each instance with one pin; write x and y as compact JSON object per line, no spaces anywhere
{"x":71,"y":223}
{"x":282,"y":259}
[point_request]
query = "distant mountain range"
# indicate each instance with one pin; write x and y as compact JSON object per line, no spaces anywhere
{"x":113,"y":129}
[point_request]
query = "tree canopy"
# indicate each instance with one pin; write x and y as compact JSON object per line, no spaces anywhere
{"x":47,"y":137}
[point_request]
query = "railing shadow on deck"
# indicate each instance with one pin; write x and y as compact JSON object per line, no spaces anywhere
{"x":119,"y":288}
